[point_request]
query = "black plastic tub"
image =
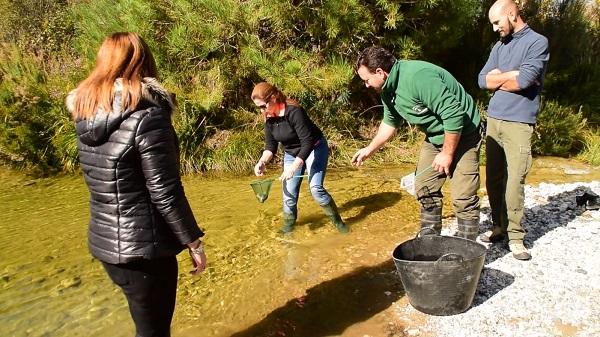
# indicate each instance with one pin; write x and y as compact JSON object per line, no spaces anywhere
{"x":439,"y":273}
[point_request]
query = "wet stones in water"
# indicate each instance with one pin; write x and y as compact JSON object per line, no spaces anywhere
{"x":67,"y":283}
{"x":39,"y":280}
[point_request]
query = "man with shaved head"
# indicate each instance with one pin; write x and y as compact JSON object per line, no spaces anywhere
{"x":514,"y":73}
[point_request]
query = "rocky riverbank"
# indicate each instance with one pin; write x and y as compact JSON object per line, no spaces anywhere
{"x":556,"y":293}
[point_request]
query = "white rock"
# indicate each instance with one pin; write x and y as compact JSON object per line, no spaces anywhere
{"x":413,"y":332}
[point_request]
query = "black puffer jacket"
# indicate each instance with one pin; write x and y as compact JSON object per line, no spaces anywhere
{"x":130,"y":161}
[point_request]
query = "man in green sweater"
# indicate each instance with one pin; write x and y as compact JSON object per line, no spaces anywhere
{"x":429,"y":97}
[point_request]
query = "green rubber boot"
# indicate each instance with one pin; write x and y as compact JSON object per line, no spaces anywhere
{"x":289,"y":220}
{"x":332,"y":212}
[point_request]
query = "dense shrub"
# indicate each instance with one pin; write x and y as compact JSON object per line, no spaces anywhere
{"x":559,"y":130}
{"x":211,"y":53}
{"x":573,"y":31}
{"x":42,"y":27}
{"x":27,"y":111}
{"x":591,"y":147}
{"x":240,"y":151}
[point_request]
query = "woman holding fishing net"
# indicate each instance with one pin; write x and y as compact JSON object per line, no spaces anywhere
{"x":305,"y":148}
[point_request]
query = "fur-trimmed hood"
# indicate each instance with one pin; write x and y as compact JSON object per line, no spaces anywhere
{"x":96,"y":130}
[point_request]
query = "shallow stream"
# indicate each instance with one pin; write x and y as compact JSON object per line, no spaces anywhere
{"x":314,"y":282}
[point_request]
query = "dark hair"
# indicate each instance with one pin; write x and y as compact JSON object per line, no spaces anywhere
{"x":375,"y":57}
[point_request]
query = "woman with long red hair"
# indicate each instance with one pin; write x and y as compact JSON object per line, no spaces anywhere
{"x":140,"y":218}
{"x":305,"y":149}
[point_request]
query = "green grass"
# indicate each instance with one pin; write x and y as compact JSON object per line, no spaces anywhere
{"x":239,"y":152}
{"x":591,"y":148}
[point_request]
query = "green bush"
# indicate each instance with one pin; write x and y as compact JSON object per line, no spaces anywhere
{"x":189,"y":122}
{"x":591,"y":148}
{"x":573,"y":76}
{"x":42,"y":27}
{"x":94,"y":20}
{"x":27,"y":111}
{"x":240,"y":152}
{"x":559,"y":130}
{"x":211,"y":53}
{"x":64,"y":141}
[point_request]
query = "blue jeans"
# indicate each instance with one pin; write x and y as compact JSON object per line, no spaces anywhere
{"x":316,"y":163}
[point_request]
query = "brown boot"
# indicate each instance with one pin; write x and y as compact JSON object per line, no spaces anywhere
{"x":495,"y":235}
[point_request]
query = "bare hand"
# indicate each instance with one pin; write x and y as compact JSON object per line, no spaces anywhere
{"x":288,"y":173}
{"x":494,"y":72}
{"x":360,"y":156}
{"x":259,"y":168}
{"x":199,"y":262}
{"x":441,"y":163}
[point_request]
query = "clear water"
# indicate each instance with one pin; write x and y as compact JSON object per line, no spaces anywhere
{"x":314,"y":282}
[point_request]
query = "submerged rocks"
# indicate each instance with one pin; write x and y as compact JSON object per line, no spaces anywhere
{"x":70,"y":282}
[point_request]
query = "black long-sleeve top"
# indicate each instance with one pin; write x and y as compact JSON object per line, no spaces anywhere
{"x":294,"y":130}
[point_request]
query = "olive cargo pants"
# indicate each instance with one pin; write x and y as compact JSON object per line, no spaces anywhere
{"x":464,"y":184}
{"x":508,"y":151}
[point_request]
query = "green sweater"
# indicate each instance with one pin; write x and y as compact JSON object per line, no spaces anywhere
{"x":429,"y":97}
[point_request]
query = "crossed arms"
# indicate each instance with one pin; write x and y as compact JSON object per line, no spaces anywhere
{"x":529,"y":72}
{"x":497,"y":80}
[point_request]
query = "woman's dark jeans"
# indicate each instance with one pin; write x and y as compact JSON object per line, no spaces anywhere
{"x":150,"y":287}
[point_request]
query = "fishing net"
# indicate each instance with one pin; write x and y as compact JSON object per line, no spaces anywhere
{"x":261,"y":188}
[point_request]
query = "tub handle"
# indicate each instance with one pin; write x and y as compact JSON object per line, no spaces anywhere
{"x":449,"y":257}
{"x":426,"y":229}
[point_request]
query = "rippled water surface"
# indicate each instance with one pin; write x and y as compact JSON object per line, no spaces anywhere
{"x":314,"y":282}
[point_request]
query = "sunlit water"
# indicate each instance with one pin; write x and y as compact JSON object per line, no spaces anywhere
{"x":314,"y":282}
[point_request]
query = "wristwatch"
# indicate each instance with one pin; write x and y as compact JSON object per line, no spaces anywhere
{"x":198,"y":250}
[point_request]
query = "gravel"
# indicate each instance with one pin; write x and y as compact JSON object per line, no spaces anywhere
{"x":556,"y":293}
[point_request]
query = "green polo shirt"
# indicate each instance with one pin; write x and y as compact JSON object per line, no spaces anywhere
{"x":429,"y":97}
